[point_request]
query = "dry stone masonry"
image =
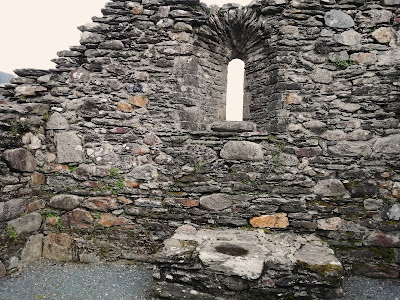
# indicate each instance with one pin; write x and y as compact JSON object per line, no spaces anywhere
{"x":125,"y":141}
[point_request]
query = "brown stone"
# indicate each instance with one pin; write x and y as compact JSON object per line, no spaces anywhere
{"x":383,"y":35}
{"x":140,"y":101}
{"x":293,"y":98}
{"x":59,"y":168}
{"x":101,"y":203}
{"x":119,"y":130}
{"x":308,"y":151}
{"x":52,"y":220}
{"x":38,"y":179}
{"x":35,"y":205}
{"x":125,"y":107}
{"x":131,"y":184}
{"x":182,"y":202}
{"x":124,"y":200}
{"x":58,"y":246}
{"x":20,"y":160}
{"x":108,"y":220}
{"x":81,"y":218}
{"x":270,"y":221}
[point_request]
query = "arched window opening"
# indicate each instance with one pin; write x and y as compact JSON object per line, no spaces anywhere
{"x":235,"y":90}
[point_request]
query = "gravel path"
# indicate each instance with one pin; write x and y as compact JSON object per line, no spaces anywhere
{"x":47,"y":280}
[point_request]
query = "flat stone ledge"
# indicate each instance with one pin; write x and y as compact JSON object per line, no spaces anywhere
{"x":233,"y":126}
{"x":251,"y":259}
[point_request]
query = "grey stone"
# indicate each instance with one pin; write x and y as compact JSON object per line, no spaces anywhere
{"x":57,"y":122}
{"x":26,"y":224}
{"x":242,"y":150}
{"x":145,"y":172}
{"x":112,"y":45}
{"x":33,"y":249}
{"x":391,"y":2}
{"x":13,"y":263}
{"x":288,"y":159}
{"x":348,"y":38}
{"x":233,"y":126}
{"x":389,"y":58}
{"x":216,"y":202}
{"x":350,"y":107}
{"x":91,"y":38}
{"x":69,"y":147}
{"x":329,"y":188}
{"x":79,"y":75}
{"x":373,"y":204}
{"x":394,"y":212}
{"x":314,"y":256}
{"x":289,"y":31}
{"x":338,"y":56}
{"x":12,"y":209}
{"x":322,"y":76}
{"x":387,"y":145}
{"x":179,"y":13}
{"x":360,"y":135}
{"x":66,"y":202}
{"x":338,"y":19}
{"x":352,"y":149}
{"x":334,"y":135}
{"x":20,"y":160}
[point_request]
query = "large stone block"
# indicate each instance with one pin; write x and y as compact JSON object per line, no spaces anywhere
{"x":216,"y":202}
{"x":242,"y":150}
{"x":69,"y":147}
{"x":28,"y":223}
{"x":20,"y":160}
{"x":66,"y":202}
{"x":338,"y":19}
{"x":33,"y":249}
{"x":58,"y":247}
{"x":329,"y":188}
{"x":387,"y":145}
{"x":12,"y":209}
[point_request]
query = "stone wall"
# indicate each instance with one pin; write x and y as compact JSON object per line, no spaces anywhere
{"x":125,"y":140}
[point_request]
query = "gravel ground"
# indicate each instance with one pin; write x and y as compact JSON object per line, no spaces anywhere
{"x":361,"y":288}
{"x":47,"y":280}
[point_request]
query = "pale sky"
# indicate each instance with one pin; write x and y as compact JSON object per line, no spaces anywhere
{"x":32,"y":31}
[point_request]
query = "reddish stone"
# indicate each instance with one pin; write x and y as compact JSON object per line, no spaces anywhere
{"x":182,"y":202}
{"x":119,"y":130}
{"x":125,"y":107}
{"x":35,"y":205}
{"x":81,"y":218}
{"x":59,"y":168}
{"x":293,"y":99}
{"x":101,"y":203}
{"x":270,"y":221}
{"x":382,"y":272}
{"x":308,"y":151}
{"x":38,"y":179}
{"x":52,"y":220}
{"x":140,"y":101}
{"x":131,"y":184}
{"x":58,"y":246}
{"x":3,"y":271}
{"x":124,"y":200}
{"x":108,"y":220}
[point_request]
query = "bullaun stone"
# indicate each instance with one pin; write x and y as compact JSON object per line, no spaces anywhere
{"x":270,"y":221}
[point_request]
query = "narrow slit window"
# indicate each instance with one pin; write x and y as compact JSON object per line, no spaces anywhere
{"x":235,"y":90}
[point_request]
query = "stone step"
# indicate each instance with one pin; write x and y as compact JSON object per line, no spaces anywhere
{"x":237,"y":263}
{"x":233,"y":126}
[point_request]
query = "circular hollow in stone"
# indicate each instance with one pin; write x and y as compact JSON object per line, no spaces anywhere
{"x":232,"y":250}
